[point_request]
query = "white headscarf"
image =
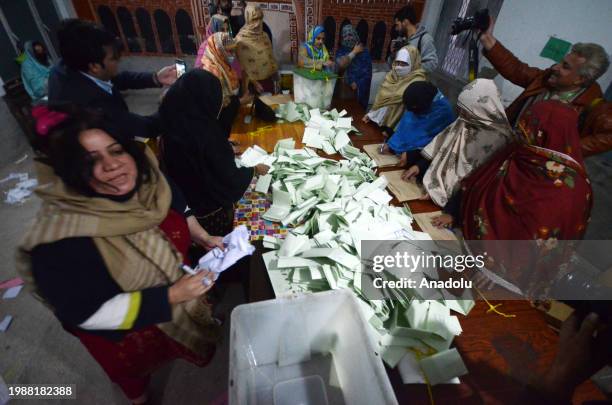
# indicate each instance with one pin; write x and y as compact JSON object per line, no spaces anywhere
{"x":481,"y":130}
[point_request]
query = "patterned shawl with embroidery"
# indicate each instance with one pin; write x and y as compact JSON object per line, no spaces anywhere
{"x":215,"y":60}
{"x":391,"y":91}
{"x":136,"y":252}
{"x":480,"y":130}
{"x":254,"y":48}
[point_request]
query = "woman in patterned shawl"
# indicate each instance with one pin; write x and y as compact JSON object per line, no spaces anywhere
{"x":480,"y":130}
{"x":254,"y":51}
{"x":388,"y":106}
{"x":536,"y":190}
{"x":217,"y":60}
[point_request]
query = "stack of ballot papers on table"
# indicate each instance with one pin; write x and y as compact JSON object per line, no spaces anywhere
{"x":325,"y":130}
{"x":334,"y":205}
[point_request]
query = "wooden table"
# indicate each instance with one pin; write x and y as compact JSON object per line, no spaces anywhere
{"x":497,"y":351}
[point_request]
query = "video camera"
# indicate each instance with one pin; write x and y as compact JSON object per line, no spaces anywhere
{"x":480,"y":21}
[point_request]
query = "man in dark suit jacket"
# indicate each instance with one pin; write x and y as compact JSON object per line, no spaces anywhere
{"x":87,"y":75}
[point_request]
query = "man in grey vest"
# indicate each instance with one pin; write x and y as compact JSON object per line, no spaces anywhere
{"x":412,"y":33}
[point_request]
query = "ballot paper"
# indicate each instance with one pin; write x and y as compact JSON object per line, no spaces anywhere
{"x":312,"y":138}
{"x":344,"y":123}
{"x":402,"y":189}
{"x":410,"y":371}
{"x":263,"y":183}
{"x":341,"y":139}
{"x":424,"y":221}
{"x":281,"y":205}
{"x":443,"y":366}
{"x":380,"y":197}
{"x":253,"y":156}
{"x":382,"y":160}
{"x":236,"y":246}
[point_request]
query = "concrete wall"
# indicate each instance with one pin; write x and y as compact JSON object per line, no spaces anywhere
{"x":13,"y":140}
{"x":525,"y":26}
{"x":279,"y":25}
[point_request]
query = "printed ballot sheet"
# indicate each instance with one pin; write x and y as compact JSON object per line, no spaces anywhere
{"x":382,"y":160}
{"x":403,"y":190}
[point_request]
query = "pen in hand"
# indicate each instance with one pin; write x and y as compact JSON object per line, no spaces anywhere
{"x":193,"y":272}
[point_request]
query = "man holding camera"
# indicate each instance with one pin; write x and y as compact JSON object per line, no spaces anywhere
{"x":572,"y":81}
{"x":411,"y":33}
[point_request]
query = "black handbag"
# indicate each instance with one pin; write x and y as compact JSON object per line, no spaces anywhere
{"x":262,"y":111}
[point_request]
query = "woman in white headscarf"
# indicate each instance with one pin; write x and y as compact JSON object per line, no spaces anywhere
{"x":480,"y":131}
{"x":388,"y":106}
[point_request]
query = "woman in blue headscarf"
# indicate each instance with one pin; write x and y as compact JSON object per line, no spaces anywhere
{"x":313,"y":53}
{"x":428,"y":112}
{"x":356,"y":62}
{"x":35,"y":70}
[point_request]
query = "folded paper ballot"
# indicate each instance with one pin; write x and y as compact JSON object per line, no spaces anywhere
{"x":255,"y":155}
{"x":263,"y":183}
{"x":402,"y":189}
{"x":381,"y":159}
{"x":443,"y":366}
{"x":236,"y":246}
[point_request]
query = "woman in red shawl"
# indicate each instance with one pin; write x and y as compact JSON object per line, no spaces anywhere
{"x":536,"y":189}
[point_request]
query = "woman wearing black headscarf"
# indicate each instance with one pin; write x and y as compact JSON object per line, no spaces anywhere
{"x":197,"y":154}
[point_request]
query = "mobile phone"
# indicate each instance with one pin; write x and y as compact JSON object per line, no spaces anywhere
{"x":181,"y":67}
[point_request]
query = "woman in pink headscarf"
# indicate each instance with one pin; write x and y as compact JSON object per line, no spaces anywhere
{"x":217,"y":23}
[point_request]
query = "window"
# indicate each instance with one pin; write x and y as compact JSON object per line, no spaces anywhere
{"x":330,"y":33}
{"x":107,"y":18}
{"x":129,"y":31}
{"x":184,"y":28}
{"x":164,"y":31}
{"x":453,"y":50}
{"x":378,"y":40}
{"x":393,"y":34}
{"x":146,"y":29}
{"x":362,"y":30}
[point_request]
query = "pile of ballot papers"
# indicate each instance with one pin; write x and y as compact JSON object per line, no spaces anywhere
{"x":333,"y":206}
{"x":325,"y":130}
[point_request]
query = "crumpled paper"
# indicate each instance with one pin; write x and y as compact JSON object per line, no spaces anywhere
{"x":236,"y":245}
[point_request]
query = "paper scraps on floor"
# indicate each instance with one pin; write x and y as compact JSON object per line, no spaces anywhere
{"x":12,"y":292}
{"x":5,"y":323}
